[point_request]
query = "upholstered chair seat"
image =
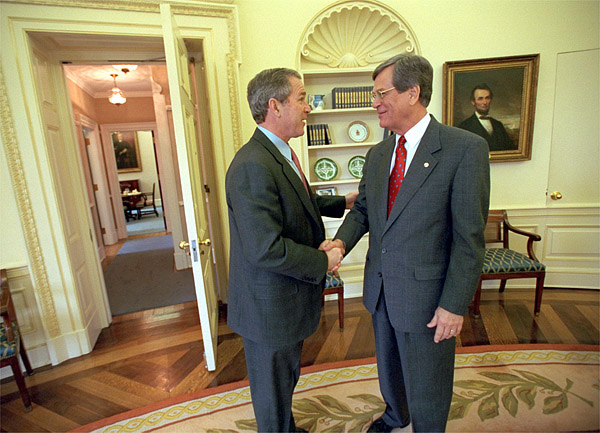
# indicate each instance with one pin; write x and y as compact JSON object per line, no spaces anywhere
{"x":505,"y":263}
{"x":334,"y":285}
{"x":503,"y":260}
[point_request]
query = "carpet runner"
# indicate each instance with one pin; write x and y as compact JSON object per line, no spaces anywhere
{"x":142,"y":277}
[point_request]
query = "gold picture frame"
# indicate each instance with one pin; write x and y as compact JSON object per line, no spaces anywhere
{"x":127,"y":151}
{"x":510,"y":85}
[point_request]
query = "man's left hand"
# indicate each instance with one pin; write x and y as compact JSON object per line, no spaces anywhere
{"x":447,"y":324}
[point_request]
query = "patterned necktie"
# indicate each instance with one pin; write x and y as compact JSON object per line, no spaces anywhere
{"x":397,"y":175}
{"x":295,"y":160}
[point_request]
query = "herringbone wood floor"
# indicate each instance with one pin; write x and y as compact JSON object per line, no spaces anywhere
{"x":153,"y":355}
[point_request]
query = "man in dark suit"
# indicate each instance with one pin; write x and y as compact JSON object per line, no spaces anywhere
{"x":484,"y":125}
{"x":423,"y":198}
{"x":276,"y":272}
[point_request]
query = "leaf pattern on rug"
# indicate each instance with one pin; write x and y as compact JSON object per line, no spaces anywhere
{"x":330,"y":414}
{"x":509,"y":391}
{"x":327,"y":414}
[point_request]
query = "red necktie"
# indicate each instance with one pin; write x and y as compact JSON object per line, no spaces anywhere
{"x":295,"y":160}
{"x":397,"y":175}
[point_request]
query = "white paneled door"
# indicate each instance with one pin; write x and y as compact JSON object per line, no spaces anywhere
{"x":187,"y":138}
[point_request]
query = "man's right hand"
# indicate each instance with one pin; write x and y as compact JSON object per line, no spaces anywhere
{"x":326,"y":245}
{"x":334,"y":259}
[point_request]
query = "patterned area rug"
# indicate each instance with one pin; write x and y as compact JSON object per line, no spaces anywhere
{"x":533,"y":388}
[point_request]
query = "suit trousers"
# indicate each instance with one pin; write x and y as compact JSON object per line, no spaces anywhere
{"x":273,"y":372}
{"x":415,"y":374}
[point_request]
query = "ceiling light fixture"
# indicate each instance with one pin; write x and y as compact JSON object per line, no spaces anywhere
{"x":125,"y":68}
{"x":117,"y":97}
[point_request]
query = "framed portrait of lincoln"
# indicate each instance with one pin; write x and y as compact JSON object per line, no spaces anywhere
{"x":494,"y":98}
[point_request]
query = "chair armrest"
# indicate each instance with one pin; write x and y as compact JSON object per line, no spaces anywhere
{"x":532,"y":237}
{"x":5,"y":293}
{"x":6,"y":307}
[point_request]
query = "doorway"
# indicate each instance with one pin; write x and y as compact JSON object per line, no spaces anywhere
{"x":136,"y":270}
{"x":138,"y":181}
{"x":44,"y":166}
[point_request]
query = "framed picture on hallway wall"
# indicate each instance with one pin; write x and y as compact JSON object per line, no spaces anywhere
{"x":494,"y":98}
{"x":127,"y":151}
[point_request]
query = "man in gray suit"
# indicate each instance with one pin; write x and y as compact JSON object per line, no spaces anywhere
{"x":276,"y":272}
{"x":426,"y":243}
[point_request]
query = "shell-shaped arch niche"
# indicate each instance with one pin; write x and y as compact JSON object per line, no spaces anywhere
{"x":355,"y":34}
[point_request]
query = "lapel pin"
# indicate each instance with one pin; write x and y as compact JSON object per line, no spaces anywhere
{"x":426,"y":165}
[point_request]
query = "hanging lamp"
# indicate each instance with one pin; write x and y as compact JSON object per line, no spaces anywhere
{"x":117,"y":97}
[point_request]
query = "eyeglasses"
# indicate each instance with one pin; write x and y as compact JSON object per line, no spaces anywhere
{"x":380,"y":93}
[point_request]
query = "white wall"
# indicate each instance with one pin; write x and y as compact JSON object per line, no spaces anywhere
{"x":448,"y":31}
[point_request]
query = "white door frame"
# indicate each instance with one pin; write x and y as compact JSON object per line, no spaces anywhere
{"x":101,"y":179}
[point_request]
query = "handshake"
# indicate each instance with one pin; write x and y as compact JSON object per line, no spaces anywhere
{"x":335,"y":250}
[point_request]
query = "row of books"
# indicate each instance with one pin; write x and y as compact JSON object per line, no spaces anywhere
{"x":351,"y":97}
{"x":318,"y":134}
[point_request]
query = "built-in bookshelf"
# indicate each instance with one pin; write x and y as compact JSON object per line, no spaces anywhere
{"x":337,"y":53}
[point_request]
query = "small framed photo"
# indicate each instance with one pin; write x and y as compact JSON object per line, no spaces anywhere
{"x":494,"y":98}
{"x":127,"y":151}
{"x":327,"y":191}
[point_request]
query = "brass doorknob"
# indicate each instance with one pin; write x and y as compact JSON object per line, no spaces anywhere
{"x":183,"y":245}
{"x":556,"y":195}
{"x":205,"y":242}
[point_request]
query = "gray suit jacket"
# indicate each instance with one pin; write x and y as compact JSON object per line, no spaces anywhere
{"x":276,"y":274}
{"x":429,"y":252}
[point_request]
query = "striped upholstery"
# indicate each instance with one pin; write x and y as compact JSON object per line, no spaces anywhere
{"x":503,"y":261}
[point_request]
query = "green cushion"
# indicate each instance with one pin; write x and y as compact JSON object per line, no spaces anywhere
{"x":332,"y":281}
{"x":504,"y":261}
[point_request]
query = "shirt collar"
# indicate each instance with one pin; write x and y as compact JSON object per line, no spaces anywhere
{"x":413,"y":135}
{"x":281,"y":145}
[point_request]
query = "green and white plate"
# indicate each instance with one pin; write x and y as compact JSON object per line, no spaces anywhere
{"x":326,"y":169}
{"x":355,"y":166}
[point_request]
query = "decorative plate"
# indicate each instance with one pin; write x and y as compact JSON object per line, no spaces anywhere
{"x":326,"y":169}
{"x":355,"y":166}
{"x":358,"y":131}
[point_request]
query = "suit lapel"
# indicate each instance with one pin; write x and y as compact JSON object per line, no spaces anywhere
{"x":288,"y":172}
{"x":421,"y":167}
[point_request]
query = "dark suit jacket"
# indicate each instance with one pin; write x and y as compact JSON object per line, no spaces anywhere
{"x":499,"y":140}
{"x":429,"y":252}
{"x":275,"y":272}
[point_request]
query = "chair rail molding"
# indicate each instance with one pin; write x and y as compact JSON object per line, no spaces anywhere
{"x":355,"y":34}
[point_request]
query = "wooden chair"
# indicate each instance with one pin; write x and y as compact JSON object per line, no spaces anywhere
{"x":146,"y":202}
{"x":334,"y":285}
{"x":504,"y":264}
{"x":10,"y":342}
